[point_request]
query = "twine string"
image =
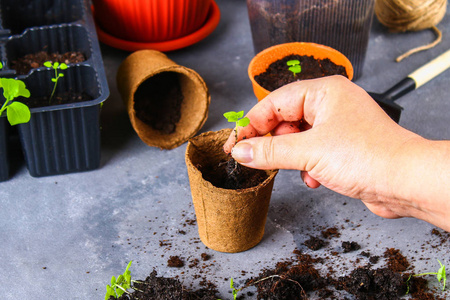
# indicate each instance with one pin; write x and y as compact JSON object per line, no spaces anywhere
{"x":411,"y":15}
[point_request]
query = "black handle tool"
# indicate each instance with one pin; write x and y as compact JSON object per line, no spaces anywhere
{"x":413,"y":81}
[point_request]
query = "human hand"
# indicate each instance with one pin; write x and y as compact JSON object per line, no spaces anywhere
{"x":336,"y":134}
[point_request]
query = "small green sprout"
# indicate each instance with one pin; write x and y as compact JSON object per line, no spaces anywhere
{"x":233,"y":289}
{"x":294,"y":66}
{"x":440,"y":275}
{"x":237,"y":118}
{"x":55,"y":66}
{"x":16,"y":112}
{"x":120,"y":285}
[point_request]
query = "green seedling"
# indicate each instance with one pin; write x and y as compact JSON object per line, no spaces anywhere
{"x":237,"y":118}
{"x":294,"y":66}
{"x":16,"y":112}
{"x":234,"y":290}
{"x":120,"y":285}
{"x":440,"y":275}
{"x":56,"y":66}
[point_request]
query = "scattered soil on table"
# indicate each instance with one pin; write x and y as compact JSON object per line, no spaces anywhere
{"x":232,"y":175}
{"x":158,"y":100}
{"x":278,"y":74}
{"x":350,"y":246}
{"x":24,"y":64}
{"x":175,"y":262}
{"x":302,"y":277}
{"x":315,"y":243}
{"x":395,"y":260}
{"x":155,"y":287}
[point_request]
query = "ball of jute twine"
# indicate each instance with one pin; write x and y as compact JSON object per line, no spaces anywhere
{"x":411,"y":15}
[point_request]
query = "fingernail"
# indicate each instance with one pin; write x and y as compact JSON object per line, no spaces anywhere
{"x":242,"y":152}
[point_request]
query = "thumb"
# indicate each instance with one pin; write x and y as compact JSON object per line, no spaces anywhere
{"x":288,"y":151}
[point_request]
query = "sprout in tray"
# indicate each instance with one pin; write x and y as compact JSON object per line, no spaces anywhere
{"x":56,"y":66}
{"x":16,"y":112}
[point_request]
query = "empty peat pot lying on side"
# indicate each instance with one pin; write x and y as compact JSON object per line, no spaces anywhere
{"x":167,"y":103}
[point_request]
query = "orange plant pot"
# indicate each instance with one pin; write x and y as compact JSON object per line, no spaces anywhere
{"x":151,"y":20}
{"x":263,"y":59}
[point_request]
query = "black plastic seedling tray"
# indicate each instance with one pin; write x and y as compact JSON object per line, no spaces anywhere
{"x":64,"y":138}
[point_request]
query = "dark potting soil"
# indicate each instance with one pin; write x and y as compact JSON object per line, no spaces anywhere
{"x":24,"y":64}
{"x":350,"y":246}
{"x":175,"y":262}
{"x":60,"y":98}
{"x":232,"y":175}
{"x":298,"y":277}
{"x":158,"y":100}
{"x":155,"y":287}
{"x":278,"y":74}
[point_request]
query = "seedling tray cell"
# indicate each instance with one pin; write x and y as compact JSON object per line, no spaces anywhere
{"x":53,"y":39}
{"x":18,"y":15}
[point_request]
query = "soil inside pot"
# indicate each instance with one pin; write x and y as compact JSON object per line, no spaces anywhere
{"x":278,"y":74}
{"x":24,"y":64}
{"x":158,"y":100}
{"x":231,"y":175}
{"x":61,"y":98}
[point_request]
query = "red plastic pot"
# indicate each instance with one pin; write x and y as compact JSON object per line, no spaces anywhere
{"x":151,"y":20}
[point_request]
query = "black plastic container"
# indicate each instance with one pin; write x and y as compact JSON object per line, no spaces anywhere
{"x":64,"y":138}
{"x":342,"y":25}
{"x":4,"y":162}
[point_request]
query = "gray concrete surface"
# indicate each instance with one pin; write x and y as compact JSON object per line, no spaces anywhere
{"x":63,"y":237}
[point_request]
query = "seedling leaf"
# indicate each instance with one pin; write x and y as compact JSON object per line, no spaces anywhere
{"x":18,"y":113}
{"x":295,"y":69}
{"x":243,"y":122}
{"x":294,"y":66}
{"x":293,"y":62}
{"x":233,"y":116}
{"x":441,"y":275}
{"x":48,"y":64}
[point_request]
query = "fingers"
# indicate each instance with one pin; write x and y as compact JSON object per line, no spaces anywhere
{"x":298,"y":101}
{"x":284,"y":104}
{"x":288,"y":151}
{"x":309,"y":181}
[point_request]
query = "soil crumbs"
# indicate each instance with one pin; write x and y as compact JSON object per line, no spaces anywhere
{"x":298,"y":277}
{"x":278,"y":74}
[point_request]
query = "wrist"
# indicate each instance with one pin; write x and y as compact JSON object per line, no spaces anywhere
{"x":419,"y":181}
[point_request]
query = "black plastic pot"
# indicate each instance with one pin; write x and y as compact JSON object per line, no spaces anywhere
{"x":4,"y":162}
{"x":64,"y":138}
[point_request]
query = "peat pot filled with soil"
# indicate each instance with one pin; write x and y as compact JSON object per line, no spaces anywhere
{"x":167,"y":103}
{"x":270,"y":70}
{"x":231,"y":201}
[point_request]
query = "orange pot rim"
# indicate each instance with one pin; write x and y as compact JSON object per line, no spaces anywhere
{"x":263,"y":59}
